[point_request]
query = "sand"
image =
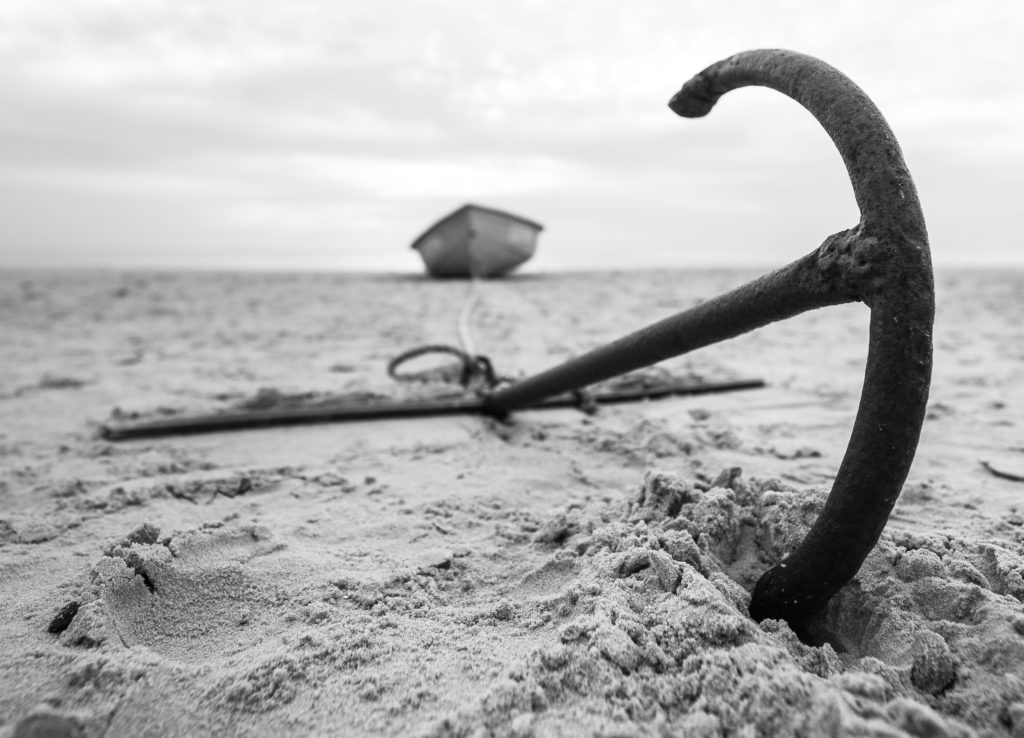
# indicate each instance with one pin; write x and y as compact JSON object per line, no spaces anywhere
{"x":561,"y":574}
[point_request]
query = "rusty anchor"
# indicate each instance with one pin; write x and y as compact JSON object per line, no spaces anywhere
{"x":883,"y":262}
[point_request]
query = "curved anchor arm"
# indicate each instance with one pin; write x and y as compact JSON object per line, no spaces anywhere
{"x":883,"y":261}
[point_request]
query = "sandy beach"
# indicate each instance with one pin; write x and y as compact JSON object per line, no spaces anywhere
{"x":558,"y":574}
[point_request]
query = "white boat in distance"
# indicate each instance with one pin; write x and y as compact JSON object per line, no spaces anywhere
{"x":475,"y":241}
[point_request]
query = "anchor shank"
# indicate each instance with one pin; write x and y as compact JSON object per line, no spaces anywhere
{"x":781,"y":294}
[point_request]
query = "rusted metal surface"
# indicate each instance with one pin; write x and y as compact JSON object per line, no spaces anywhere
{"x":883,"y":261}
{"x":340,"y":411}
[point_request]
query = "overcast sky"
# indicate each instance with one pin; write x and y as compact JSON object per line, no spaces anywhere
{"x":327,"y":134}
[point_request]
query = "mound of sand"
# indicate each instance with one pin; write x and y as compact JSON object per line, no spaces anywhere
{"x":633,"y":621}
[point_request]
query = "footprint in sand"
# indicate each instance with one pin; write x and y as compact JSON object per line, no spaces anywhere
{"x":189,"y":596}
{"x":47,"y":726}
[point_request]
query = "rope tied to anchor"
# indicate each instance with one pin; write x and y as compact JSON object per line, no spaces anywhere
{"x":474,"y":371}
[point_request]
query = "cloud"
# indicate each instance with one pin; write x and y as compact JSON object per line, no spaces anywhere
{"x":251,"y":125}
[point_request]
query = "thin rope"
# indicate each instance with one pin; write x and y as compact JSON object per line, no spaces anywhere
{"x":464,"y":326}
{"x":476,"y":371}
{"x":473,"y":299}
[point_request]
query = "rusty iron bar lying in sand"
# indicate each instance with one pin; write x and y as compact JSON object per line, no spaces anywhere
{"x":883,"y":262}
{"x":340,"y":411}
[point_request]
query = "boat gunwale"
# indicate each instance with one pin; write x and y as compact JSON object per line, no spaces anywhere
{"x":467,"y":208}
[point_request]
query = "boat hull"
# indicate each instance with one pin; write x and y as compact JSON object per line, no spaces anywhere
{"x":475,"y":241}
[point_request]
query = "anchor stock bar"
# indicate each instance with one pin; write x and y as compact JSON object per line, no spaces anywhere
{"x":883,"y":261}
{"x":340,"y":411}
